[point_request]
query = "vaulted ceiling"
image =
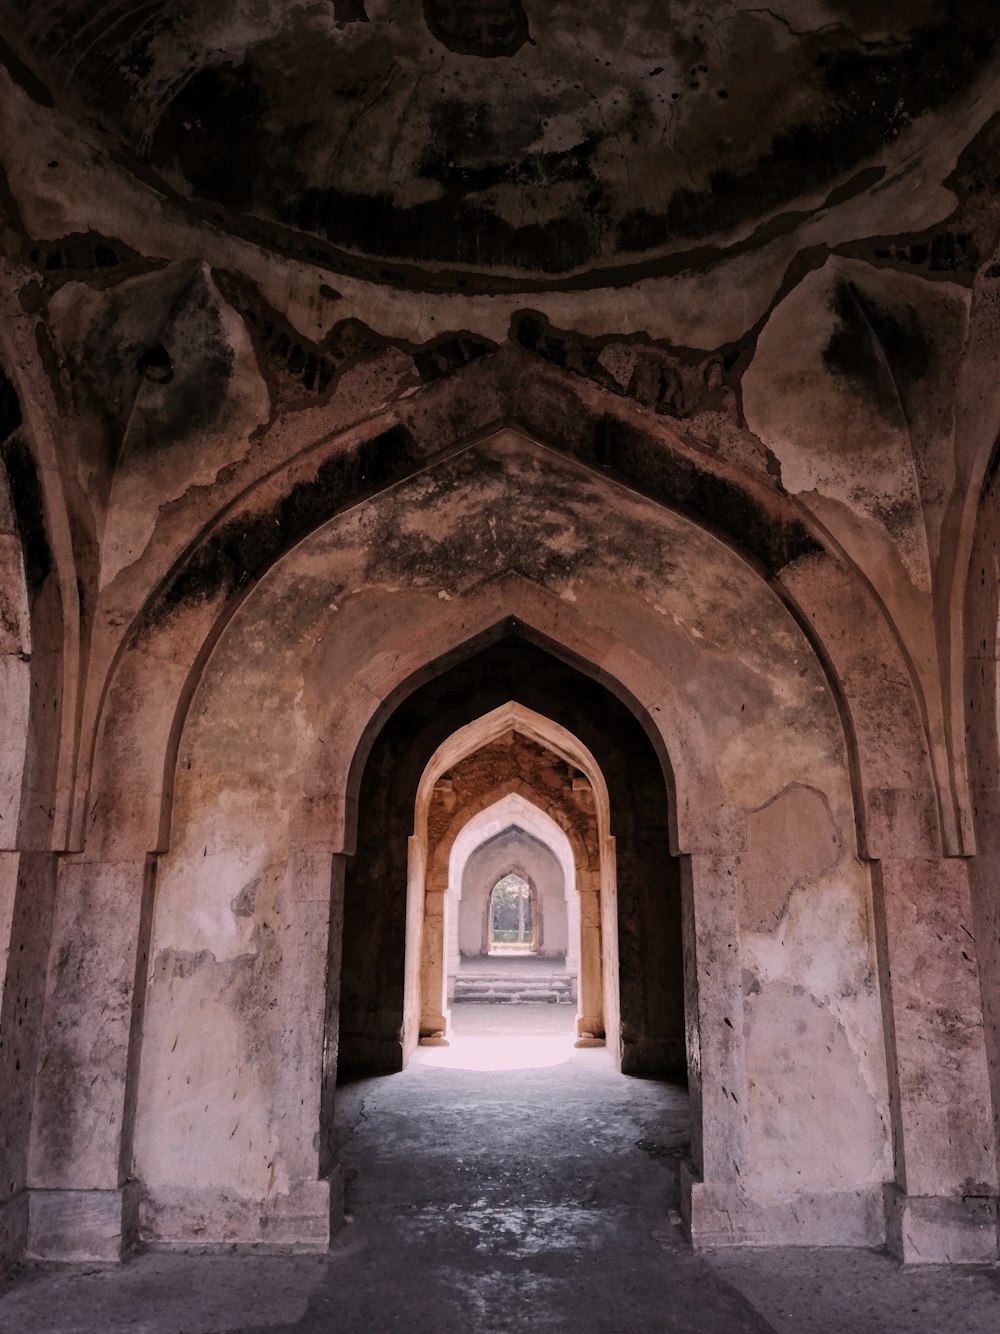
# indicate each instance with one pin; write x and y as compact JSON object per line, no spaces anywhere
{"x":746,"y":258}
{"x":497,"y":138}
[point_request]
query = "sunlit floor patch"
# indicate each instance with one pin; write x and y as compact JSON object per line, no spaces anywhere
{"x":509,"y":1037}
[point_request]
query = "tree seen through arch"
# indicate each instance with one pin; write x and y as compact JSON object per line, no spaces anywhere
{"x":512,"y":916}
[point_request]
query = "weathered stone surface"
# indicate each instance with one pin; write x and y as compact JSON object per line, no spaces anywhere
{"x":368,"y":366}
{"x":81,"y":1224}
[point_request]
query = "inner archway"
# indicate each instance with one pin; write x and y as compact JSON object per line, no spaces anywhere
{"x":498,"y":993}
{"x":518,"y":830}
{"x":514,"y":752}
{"x":387,"y":946}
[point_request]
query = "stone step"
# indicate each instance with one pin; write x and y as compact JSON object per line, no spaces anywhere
{"x":535,"y":984}
{"x":520,"y":991}
{"x":522,"y":979}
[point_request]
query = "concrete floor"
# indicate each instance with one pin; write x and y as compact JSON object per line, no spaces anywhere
{"x":507,"y":1183}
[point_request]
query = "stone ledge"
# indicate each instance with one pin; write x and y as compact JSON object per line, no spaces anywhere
{"x":721,"y":1214}
{"x":82,"y":1225}
{"x":942,"y":1229}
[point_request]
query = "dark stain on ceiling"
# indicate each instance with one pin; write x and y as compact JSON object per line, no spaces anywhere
{"x":508,"y":137}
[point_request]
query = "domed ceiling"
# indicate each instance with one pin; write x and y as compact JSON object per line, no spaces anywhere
{"x":486,"y":140}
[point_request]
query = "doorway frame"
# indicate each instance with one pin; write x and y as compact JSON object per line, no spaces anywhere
{"x":425,"y":1010}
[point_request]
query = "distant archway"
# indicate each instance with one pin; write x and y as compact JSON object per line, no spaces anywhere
{"x":587,"y":830}
{"x":517,"y":830}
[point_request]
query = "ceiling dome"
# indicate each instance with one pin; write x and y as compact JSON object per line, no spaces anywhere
{"x":499,"y":139}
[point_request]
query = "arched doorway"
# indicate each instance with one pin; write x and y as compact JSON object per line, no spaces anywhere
{"x":517,"y":830}
{"x":513,"y":833}
{"x":631,"y":953}
{"x":513,"y":752}
{"x":350,"y":699}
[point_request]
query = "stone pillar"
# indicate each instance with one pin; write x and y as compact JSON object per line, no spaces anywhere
{"x":712,"y":1191}
{"x":301,"y":1218}
{"x":9,"y":862}
{"x":433,"y":1018}
{"x":591,"y":1016}
{"x":328,"y":1166}
{"x":13,"y":1200}
{"x":82,"y":1205}
{"x":943,"y":1207}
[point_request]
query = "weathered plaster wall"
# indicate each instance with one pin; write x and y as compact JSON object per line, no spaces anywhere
{"x":263,"y":354}
{"x":15,"y":691}
{"x":496,"y":139}
{"x":983,"y":723}
{"x":342,"y":618}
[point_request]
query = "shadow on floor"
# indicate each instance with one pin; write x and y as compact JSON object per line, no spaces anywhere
{"x":531,"y":1197}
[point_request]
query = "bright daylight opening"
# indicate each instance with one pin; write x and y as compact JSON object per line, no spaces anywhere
{"x":512,"y":917}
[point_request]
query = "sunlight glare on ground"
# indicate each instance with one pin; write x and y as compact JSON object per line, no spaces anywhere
{"x":512,"y":1052}
{"x":507,"y":1037}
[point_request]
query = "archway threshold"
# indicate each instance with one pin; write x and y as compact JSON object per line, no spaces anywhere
{"x":507,"y":1037}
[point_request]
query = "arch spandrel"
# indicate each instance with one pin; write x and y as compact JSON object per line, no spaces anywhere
{"x":684,"y":628}
{"x":625,"y":621}
{"x":130,"y":754}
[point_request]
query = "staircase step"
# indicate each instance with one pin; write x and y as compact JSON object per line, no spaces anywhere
{"x":480,"y":988}
{"x":497,"y":990}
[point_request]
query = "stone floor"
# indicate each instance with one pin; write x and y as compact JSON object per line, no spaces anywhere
{"x":516,"y":965}
{"x":507,"y":1183}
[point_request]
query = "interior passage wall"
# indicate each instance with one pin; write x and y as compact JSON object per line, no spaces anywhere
{"x":31,"y":659}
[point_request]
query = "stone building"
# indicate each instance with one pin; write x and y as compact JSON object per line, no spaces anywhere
{"x":582,"y":422}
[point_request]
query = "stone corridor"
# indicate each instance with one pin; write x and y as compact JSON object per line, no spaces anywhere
{"x":508,"y":1183}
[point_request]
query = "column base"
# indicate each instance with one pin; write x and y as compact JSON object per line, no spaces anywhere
{"x":721,"y":1214}
{"x":303,"y":1220}
{"x":13,"y":1228}
{"x":654,"y":1056}
{"x":590,"y":1026}
{"x":336,"y":1184}
{"x":78,"y":1225}
{"x":432,"y":1024}
{"x":942,"y":1229}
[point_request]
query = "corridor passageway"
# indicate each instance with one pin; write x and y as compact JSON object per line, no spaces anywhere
{"x":499,"y":504}
{"x":539,"y":1194}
